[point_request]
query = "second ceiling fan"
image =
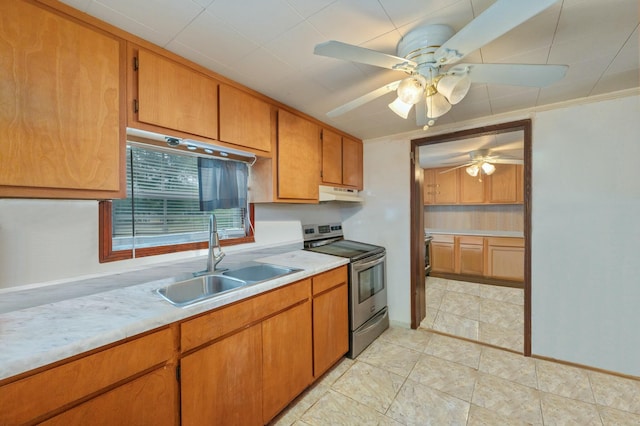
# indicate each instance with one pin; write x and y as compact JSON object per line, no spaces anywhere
{"x":427,"y":55}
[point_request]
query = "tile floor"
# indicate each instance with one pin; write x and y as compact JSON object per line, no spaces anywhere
{"x":481,"y":312}
{"x":417,"y":377}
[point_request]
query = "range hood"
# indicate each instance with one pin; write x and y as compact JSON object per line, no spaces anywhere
{"x":330,"y":193}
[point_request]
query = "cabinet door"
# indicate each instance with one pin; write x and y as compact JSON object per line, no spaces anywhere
{"x":174,"y":96}
{"x":149,"y":400}
{"x":62,"y":122}
{"x":505,"y":258}
{"x":429,"y":186}
{"x":221,"y":383}
{"x":520,"y":183}
{"x":501,"y":185}
{"x":443,"y":254}
{"x":330,"y":328}
{"x":298,"y":158}
{"x":471,"y":188}
{"x":244,"y":119}
{"x":352,"y":163}
{"x":446,"y":190}
{"x":331,"y":157}
{"x":471,"y":255}
{"x":287,"y":358}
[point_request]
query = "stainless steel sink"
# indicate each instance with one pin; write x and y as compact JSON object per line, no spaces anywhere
{"x":262,"y":272}
{"x":194,"y":290}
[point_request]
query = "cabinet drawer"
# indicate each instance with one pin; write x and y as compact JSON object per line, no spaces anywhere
{"x":329,"y":279}
{"x":443,"y":238}
{"x":41,"y":393}
{"x":468,"y":239}
{"x":216,"y":324}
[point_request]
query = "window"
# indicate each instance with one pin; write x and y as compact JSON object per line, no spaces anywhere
{"x":161,"y":213}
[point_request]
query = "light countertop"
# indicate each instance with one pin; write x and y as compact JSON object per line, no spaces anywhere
{"x":475,"y":232}
{"x":45,"y":325}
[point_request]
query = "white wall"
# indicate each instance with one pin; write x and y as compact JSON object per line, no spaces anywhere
{"x":585,"y":230}
{"x":586,"y":234}
{"x":49,"y":241}
{"x":384,"y":218}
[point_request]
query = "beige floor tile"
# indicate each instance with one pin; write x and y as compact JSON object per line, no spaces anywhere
{"x":429,"y":319}
{"x":434,"y":296}
{"x":613,"y":417}
{"x":388,"y":421}
{"x":391,"y":357}
{"x":436,"y":282}
{"x":412,"y":339}
{"x":300,"y":405}
{"x":508,"y":399}
{"x":480,"y":416}
{"x":563,"y":380}
{"x":418,"y":404}
{"x":455,"y":379}
{"x":509,"y":366}
{"x":557,"y":410}
{"x":336,"y":409}
{"x":504,"y":294}
{"x":502,"y":314}
{"x":461,"y":304}
{"x":301,"y":423}
{"x":503,"y":337}
{"x":464,"y":287}
{"x":456,"y":350}
{"x":369,"y":385}
{"x":336,"y":371}
{"x":616,"y":392}
{"x":456,"y":325}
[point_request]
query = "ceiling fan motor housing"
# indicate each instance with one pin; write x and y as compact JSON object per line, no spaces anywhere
{"x":420,"y":43}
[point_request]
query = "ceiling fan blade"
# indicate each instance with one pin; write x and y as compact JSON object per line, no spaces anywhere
{"x":530,"y":75}
{"x":496,"y":20}
{"x":349,"y":52}
{"x":457,"y":167}
{"x":364,"y":99}
{"x":506,"y":161}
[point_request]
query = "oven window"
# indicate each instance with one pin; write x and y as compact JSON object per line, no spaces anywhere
{"x":370,"y":282}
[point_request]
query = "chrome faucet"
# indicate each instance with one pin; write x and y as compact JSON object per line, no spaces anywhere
{"x":214,"y":242}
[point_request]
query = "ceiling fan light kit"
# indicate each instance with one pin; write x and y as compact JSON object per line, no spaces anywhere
{"x":426,"y":52}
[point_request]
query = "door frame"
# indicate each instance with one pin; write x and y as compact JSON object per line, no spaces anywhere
{"x":417,"y":287}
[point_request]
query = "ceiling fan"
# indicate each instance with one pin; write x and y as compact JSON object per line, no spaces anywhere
{"x":482,"y":162}
{"x":427,"y":55}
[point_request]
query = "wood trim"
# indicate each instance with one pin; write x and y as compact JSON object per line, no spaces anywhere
{"x":586,"y":367}
{"x":417,"y":282}
{"x":107,"y":254}
{"x":478,"y":279}
{"x":417,"y":216}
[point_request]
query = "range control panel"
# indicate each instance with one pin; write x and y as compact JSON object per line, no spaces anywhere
{"x":327,"y":230}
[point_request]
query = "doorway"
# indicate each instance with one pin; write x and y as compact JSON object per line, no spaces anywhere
{"x":418,"y":293}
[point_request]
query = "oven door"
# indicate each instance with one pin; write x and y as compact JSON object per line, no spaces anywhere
{"x":368,"y":288}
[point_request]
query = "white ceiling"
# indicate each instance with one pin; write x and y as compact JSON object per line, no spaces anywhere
{"x":267,"y":45}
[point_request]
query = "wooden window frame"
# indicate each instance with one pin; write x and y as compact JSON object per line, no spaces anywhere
{"x":105,"y":238}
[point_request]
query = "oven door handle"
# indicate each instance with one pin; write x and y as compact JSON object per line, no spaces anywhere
{"x":362,"y":266}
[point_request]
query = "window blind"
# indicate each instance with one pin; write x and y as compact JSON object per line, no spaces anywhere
{"x":162,"y":205}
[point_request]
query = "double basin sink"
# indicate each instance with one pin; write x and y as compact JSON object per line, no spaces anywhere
{"x":205,"y":285}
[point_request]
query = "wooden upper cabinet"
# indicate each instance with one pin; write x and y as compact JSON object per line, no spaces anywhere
{"x":173,"y":96}
{"x":429,"y":185}
{"x":62,"y":122}
{"x":298,"y":158}
{"x":446,"y":186}
{"x":501,"y":185}
{"x":244,"y":119}
{"x":341,"y":160}
{"x":331,"y":158}
{"x":471,"y":188}
{"x":352,"y":159}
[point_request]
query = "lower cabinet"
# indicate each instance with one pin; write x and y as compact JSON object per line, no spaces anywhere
{"x":443,"y":257}
{"x":500,"y":258}
{"x":221,"y":384}
{"x":240,"y":364}
{"x":286,"y":358}
{"x":246,"y":362}
{"x":122,"y":384}
{"x":148,"y":400}
{"x":330,"y":319}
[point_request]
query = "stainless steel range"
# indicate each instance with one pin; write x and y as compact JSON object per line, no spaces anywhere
{"x":368,"y":316}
